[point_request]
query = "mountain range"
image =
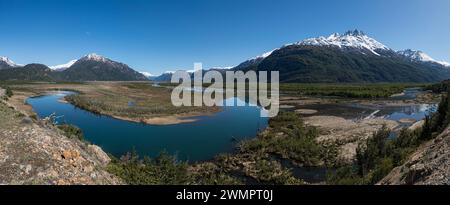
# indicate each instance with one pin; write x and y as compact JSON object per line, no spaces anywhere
{"x":352,"y":57}
{"x":91,"y":67}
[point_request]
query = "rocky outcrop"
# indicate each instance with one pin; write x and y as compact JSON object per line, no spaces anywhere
{"x":2,"y":92}
{"x":38,"y":153}
{"x":429,"y":165}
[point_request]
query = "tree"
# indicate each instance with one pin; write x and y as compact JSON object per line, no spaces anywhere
{"x":8,"y":92}
{"x":374,"y":148}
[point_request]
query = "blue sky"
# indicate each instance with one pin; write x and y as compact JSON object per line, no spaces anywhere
{"x":155,"y":36}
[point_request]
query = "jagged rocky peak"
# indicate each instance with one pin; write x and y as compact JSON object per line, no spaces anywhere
{"x":355,"y":32}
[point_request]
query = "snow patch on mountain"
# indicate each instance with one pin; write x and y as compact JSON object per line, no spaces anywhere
{"x":63,"y":66}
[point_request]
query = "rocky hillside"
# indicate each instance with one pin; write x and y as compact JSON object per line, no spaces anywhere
{"x":429,"y":165}
{"x":36,"y":152}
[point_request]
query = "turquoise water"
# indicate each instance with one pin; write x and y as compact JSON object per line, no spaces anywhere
{"x":196,"y":141}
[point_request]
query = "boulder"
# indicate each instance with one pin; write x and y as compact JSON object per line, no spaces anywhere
{"x":99,"y":154}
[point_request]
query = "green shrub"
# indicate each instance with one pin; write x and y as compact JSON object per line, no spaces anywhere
{"x":72,"y":131}
{"x":8,"y":92}
{"x":382,"y":168}
{"x":272,"y":172}
{"x":163,"y":170}
{"x":347,"y":175}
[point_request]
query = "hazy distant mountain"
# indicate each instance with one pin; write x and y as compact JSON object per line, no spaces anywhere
{"x":349,"y":57}
{"x":164,"y":77}
{"x":167,"y":76}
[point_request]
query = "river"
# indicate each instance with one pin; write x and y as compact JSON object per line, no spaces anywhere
{"x":195,"y":141}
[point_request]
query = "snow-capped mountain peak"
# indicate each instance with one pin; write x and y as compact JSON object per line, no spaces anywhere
{"x":8,"y":61}
{"x":420,"y":56}
{"x":353,"y":39}
{"x":63,"y":66}
{"x":95,"y":57}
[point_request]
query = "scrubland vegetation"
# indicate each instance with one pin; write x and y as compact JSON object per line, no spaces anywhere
{"x":376,"y":90}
